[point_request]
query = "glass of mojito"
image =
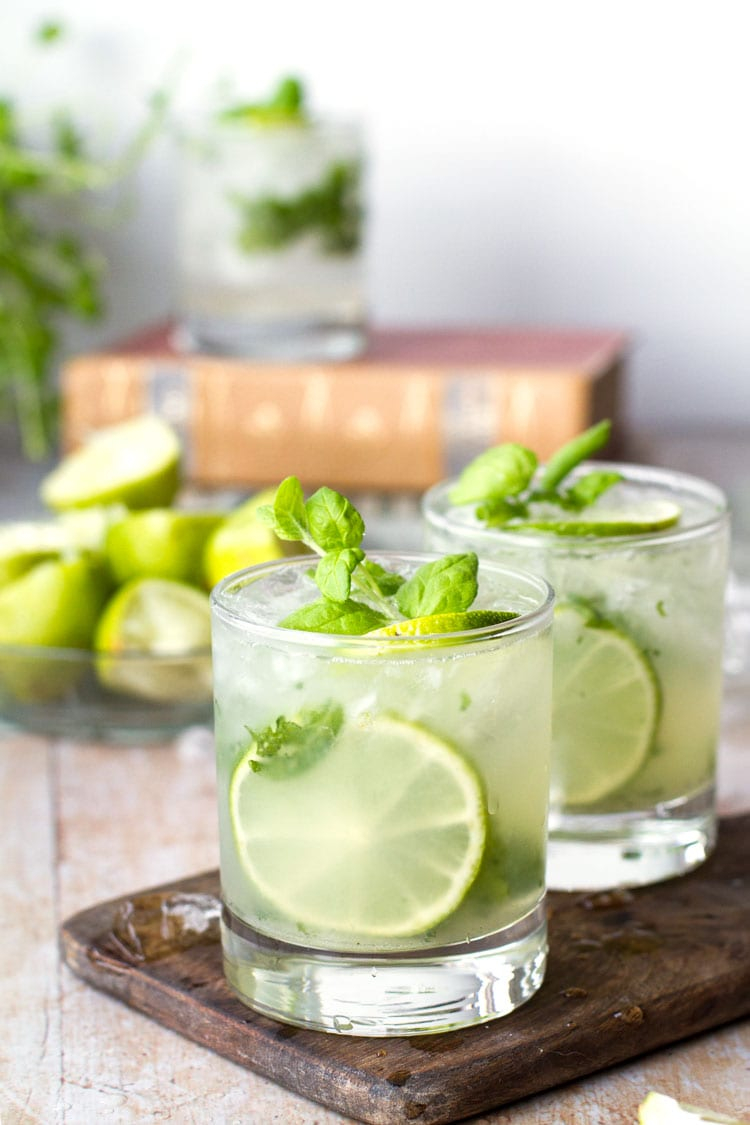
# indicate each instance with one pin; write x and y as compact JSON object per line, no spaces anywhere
{"x":383,"y":738}
{"x":637,"y":557}
{"x":271,"y":233}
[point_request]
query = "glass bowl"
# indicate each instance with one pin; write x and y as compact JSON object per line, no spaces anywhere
{"x":128,"y":697}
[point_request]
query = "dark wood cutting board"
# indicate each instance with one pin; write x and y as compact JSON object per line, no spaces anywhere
{"x":628,"y":972}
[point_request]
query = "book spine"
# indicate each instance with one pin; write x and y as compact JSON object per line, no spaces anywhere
{"x":385,"y":428}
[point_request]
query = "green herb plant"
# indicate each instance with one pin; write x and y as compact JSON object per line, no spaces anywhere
{"x":49,"y":270}
{"x":358,"y":595}
{"x":329,"y":209}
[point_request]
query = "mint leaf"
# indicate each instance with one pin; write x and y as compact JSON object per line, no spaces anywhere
{"x":447,"y":585}
{"x":590,"y":487}
{"x":503,"y":471}
{"x":386,"y":581}
{"x":334,"y":572}
{"x":289,"y":746}
{"x":573,"y":452}
{"x":324,"y":616}
{"x":287,"y":515}
{"x":498,"y":511}
{"x":334,"y":523}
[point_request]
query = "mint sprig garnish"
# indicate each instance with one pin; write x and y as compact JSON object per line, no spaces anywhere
{"x":357,"y":593}
{"x":508,"y":486}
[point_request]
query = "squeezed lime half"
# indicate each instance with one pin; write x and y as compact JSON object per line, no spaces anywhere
{"x":135,"y":463}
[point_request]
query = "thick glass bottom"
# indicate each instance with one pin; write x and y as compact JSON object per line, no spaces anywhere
{"x":633,"y":849}
{"x":377,"y":995}
{"x":275,"y":340}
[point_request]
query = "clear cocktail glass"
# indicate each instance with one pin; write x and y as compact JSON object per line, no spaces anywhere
{"x":271,"y":242}
{"x":638,"y":639}
{"x":382,"y":808}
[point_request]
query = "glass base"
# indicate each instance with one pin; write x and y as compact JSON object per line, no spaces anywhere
{"x":274,"y":340}
{"x":592,"y":853}
{"x":396,"y":994}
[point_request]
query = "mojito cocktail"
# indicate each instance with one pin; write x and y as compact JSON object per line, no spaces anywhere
{"x":639,"y":576}
{"x":382,"y":797}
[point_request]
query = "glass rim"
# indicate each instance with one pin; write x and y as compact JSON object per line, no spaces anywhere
{"x":527,"y":621}
{"x":675,"y":479}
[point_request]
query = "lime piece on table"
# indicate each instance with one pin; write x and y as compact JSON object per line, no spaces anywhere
{"x":135,"y":463}
{"x":243,"y":540}
{"x":660,"y":1109}
{"x":605,"y":705}
{"x":640,"y":519}
{"x":382,"y":836}
{"x":435,"y":623}
{"x":154,"y":636}
{"x":160,"y":543}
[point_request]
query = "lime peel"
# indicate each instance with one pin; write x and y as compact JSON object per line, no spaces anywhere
{"x":660,"y":1109}
{"x":435,"y":624}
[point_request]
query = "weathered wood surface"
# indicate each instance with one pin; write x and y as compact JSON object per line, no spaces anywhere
{"x":627,"y":973}
{"x":81,"y":824}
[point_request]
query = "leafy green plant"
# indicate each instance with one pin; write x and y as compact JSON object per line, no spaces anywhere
{"x":50,"y":270}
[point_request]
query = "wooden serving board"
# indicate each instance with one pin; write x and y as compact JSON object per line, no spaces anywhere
{"x":628,"y":972}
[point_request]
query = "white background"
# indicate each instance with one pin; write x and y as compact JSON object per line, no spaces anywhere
{"x":553,"y":162}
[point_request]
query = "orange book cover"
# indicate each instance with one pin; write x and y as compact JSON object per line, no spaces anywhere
{"x":415,"y":407}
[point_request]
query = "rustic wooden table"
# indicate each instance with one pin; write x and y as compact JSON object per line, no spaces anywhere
{"x":81,"y":823}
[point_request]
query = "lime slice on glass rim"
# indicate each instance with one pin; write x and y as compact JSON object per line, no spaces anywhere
{"x":135,"y":463}
{"x":640,"y":519}
{"x":605,"y":705}
{"x":660,"y":1109}
{"x":436,"y":623}
{"x":156,"y":618}
{"x":381,"y":837}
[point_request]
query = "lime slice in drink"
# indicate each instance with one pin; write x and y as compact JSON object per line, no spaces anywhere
{"x":152,"y":618}
{"x":160,"y":543}
{"x":382,"y":836}
{"x":436,"y":623}
{"x":660,"y":1109}
{"x":242,"y":540}
{"x":657,"y":515}
{"x":135,"y":463}
{"x":605,"y":705}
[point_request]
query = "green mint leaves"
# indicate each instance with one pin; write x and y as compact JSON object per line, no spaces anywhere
{"x":290,"y":746}
{"x":448,"y":585}
{"x":331,"y":526}
{"x":506,"y":470}
{"x":505,"y":483}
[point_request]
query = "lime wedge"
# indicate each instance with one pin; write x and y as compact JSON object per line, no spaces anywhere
{"x":242,"y":540}
{"x":637,"y":520}
{"x":135,"y":463}
{"x":605,"y":705}
{"x":659,"y":1109}
{"x":56,"y":603}
{"x":381,"y":836}
{"x":436,"y":623}
{"x":160,"y":543}
{"x":24,"y":544}
{"x":167,"y":625}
